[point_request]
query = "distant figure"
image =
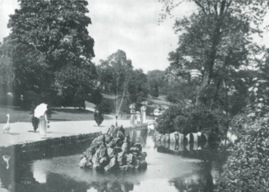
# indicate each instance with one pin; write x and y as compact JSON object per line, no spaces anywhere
{"x":156,"y":113}
{"x":138,"y":118}
{"x":6,"y":127}
{"x":132,"y":112}
{"x":40,"y":113}
{"x":143,"y":114}
{"x":98,"y":117}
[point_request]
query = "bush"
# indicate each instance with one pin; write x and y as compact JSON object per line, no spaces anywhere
{"x":247,"y":167}
{"x":165,"y":122}
{"x":193,"y":119}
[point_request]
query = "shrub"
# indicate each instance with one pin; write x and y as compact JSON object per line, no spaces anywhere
{"x":193,"y":119}
{"x":165,"y":122}
{"x":247,"y":167}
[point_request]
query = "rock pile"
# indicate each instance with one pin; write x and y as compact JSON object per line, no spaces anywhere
{"x":114,"y":151}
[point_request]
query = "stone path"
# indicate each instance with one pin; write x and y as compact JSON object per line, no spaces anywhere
{"x":22,"y":132}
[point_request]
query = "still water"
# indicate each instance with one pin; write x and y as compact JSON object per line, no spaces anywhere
{"x":166,"y":172}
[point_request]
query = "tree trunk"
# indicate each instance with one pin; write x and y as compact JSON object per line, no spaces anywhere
{"x":208,"y":66}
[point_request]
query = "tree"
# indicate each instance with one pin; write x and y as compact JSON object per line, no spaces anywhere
{"x":6,"y":73}
{"x":193,"y":119}
{"x":180,"y":91}
{"x":215,"y":38}
{"x":156,"y":82}
{"x":258,"y":100}
{"x":74,"y":83}
{"x":51,"y":36}
{"x":96,"y":96}
{"x":138,"y":87}
{"x":58,"y":29}
{"x":114,"y":75}
{"x":114,"y":72}
{"x":117,"y":76}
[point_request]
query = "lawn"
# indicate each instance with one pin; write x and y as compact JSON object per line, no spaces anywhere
{"x":57,"y":114}
{"x":18,"y":114}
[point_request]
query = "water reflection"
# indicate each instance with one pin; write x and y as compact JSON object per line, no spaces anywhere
{"x":166,"y":172}
{"x":202,"y":181}
{"x":108,"y":186}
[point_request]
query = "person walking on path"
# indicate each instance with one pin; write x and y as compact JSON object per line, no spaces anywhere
{"x":40,"y":113}
{"x":98,"y":117}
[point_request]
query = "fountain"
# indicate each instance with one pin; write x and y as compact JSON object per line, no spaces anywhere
{"x":118,"y":103}
{"x":114,"y":151}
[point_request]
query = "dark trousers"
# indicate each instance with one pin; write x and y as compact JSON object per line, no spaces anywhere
{"x":35,"y":122}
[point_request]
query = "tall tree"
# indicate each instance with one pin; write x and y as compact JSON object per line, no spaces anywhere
{"x":53,"y":33}
{"x":155,"y":81}
{"x":215,"y":38}
{"x":7,"y":76}
{"x":114,"y":72}
{"x":138,"y":87}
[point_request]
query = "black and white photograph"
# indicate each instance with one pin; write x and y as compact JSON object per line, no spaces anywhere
{"x":134,"y":96}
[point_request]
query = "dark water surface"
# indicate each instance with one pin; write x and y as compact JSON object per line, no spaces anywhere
{"x":165,"y":173}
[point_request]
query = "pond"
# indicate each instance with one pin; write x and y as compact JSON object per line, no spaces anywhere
{"x":165,"y":172}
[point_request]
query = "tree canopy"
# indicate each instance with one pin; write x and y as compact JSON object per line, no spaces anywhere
{"x":117,"y":77}
{"x":52,"y":49}
{"x":114,"y":72}
{"x":215,"y":39}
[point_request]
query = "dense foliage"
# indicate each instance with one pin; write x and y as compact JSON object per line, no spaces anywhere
{"x":51,"y":51}
{"x":137,"y":88}
{"x":216,"y":41}
{"x":114,"y":73}
{"x":193,"y":119}
{"x":180,"y":91}
{"x":247,"y":166}
{"x":156,"y":82}
{"x":117,"y":77}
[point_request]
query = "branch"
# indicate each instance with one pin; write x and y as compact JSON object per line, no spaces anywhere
{"x":228,"y":5}
{"x":198,"y":38}
{"x":200,"y":5}
{"x":216,"y":8}
{"x":222,"y":7}
{"x":177,"y":4}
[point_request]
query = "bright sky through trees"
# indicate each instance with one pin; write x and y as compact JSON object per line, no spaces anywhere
{"x":130,"y":25}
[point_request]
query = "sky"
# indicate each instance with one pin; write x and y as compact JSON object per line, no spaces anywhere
{"x":132,"y":26}
{"x":128,"y":25}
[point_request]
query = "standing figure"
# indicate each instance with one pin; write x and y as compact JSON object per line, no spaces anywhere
{"x":156,"y":113}
{"x":98,"y":117}
{"x":143,"y":114}
{"x":132,"y":111}
{"x":138,"y":118}
{"x":40,"y":113}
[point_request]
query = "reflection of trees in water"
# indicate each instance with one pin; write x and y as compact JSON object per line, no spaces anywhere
{"x":24,"y":181}
{"x":203,"y":181}
{"x":112,"y":186}
{"x":137,"y":135}
{"x":5,"y":177}
{"x":199,"y":182}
